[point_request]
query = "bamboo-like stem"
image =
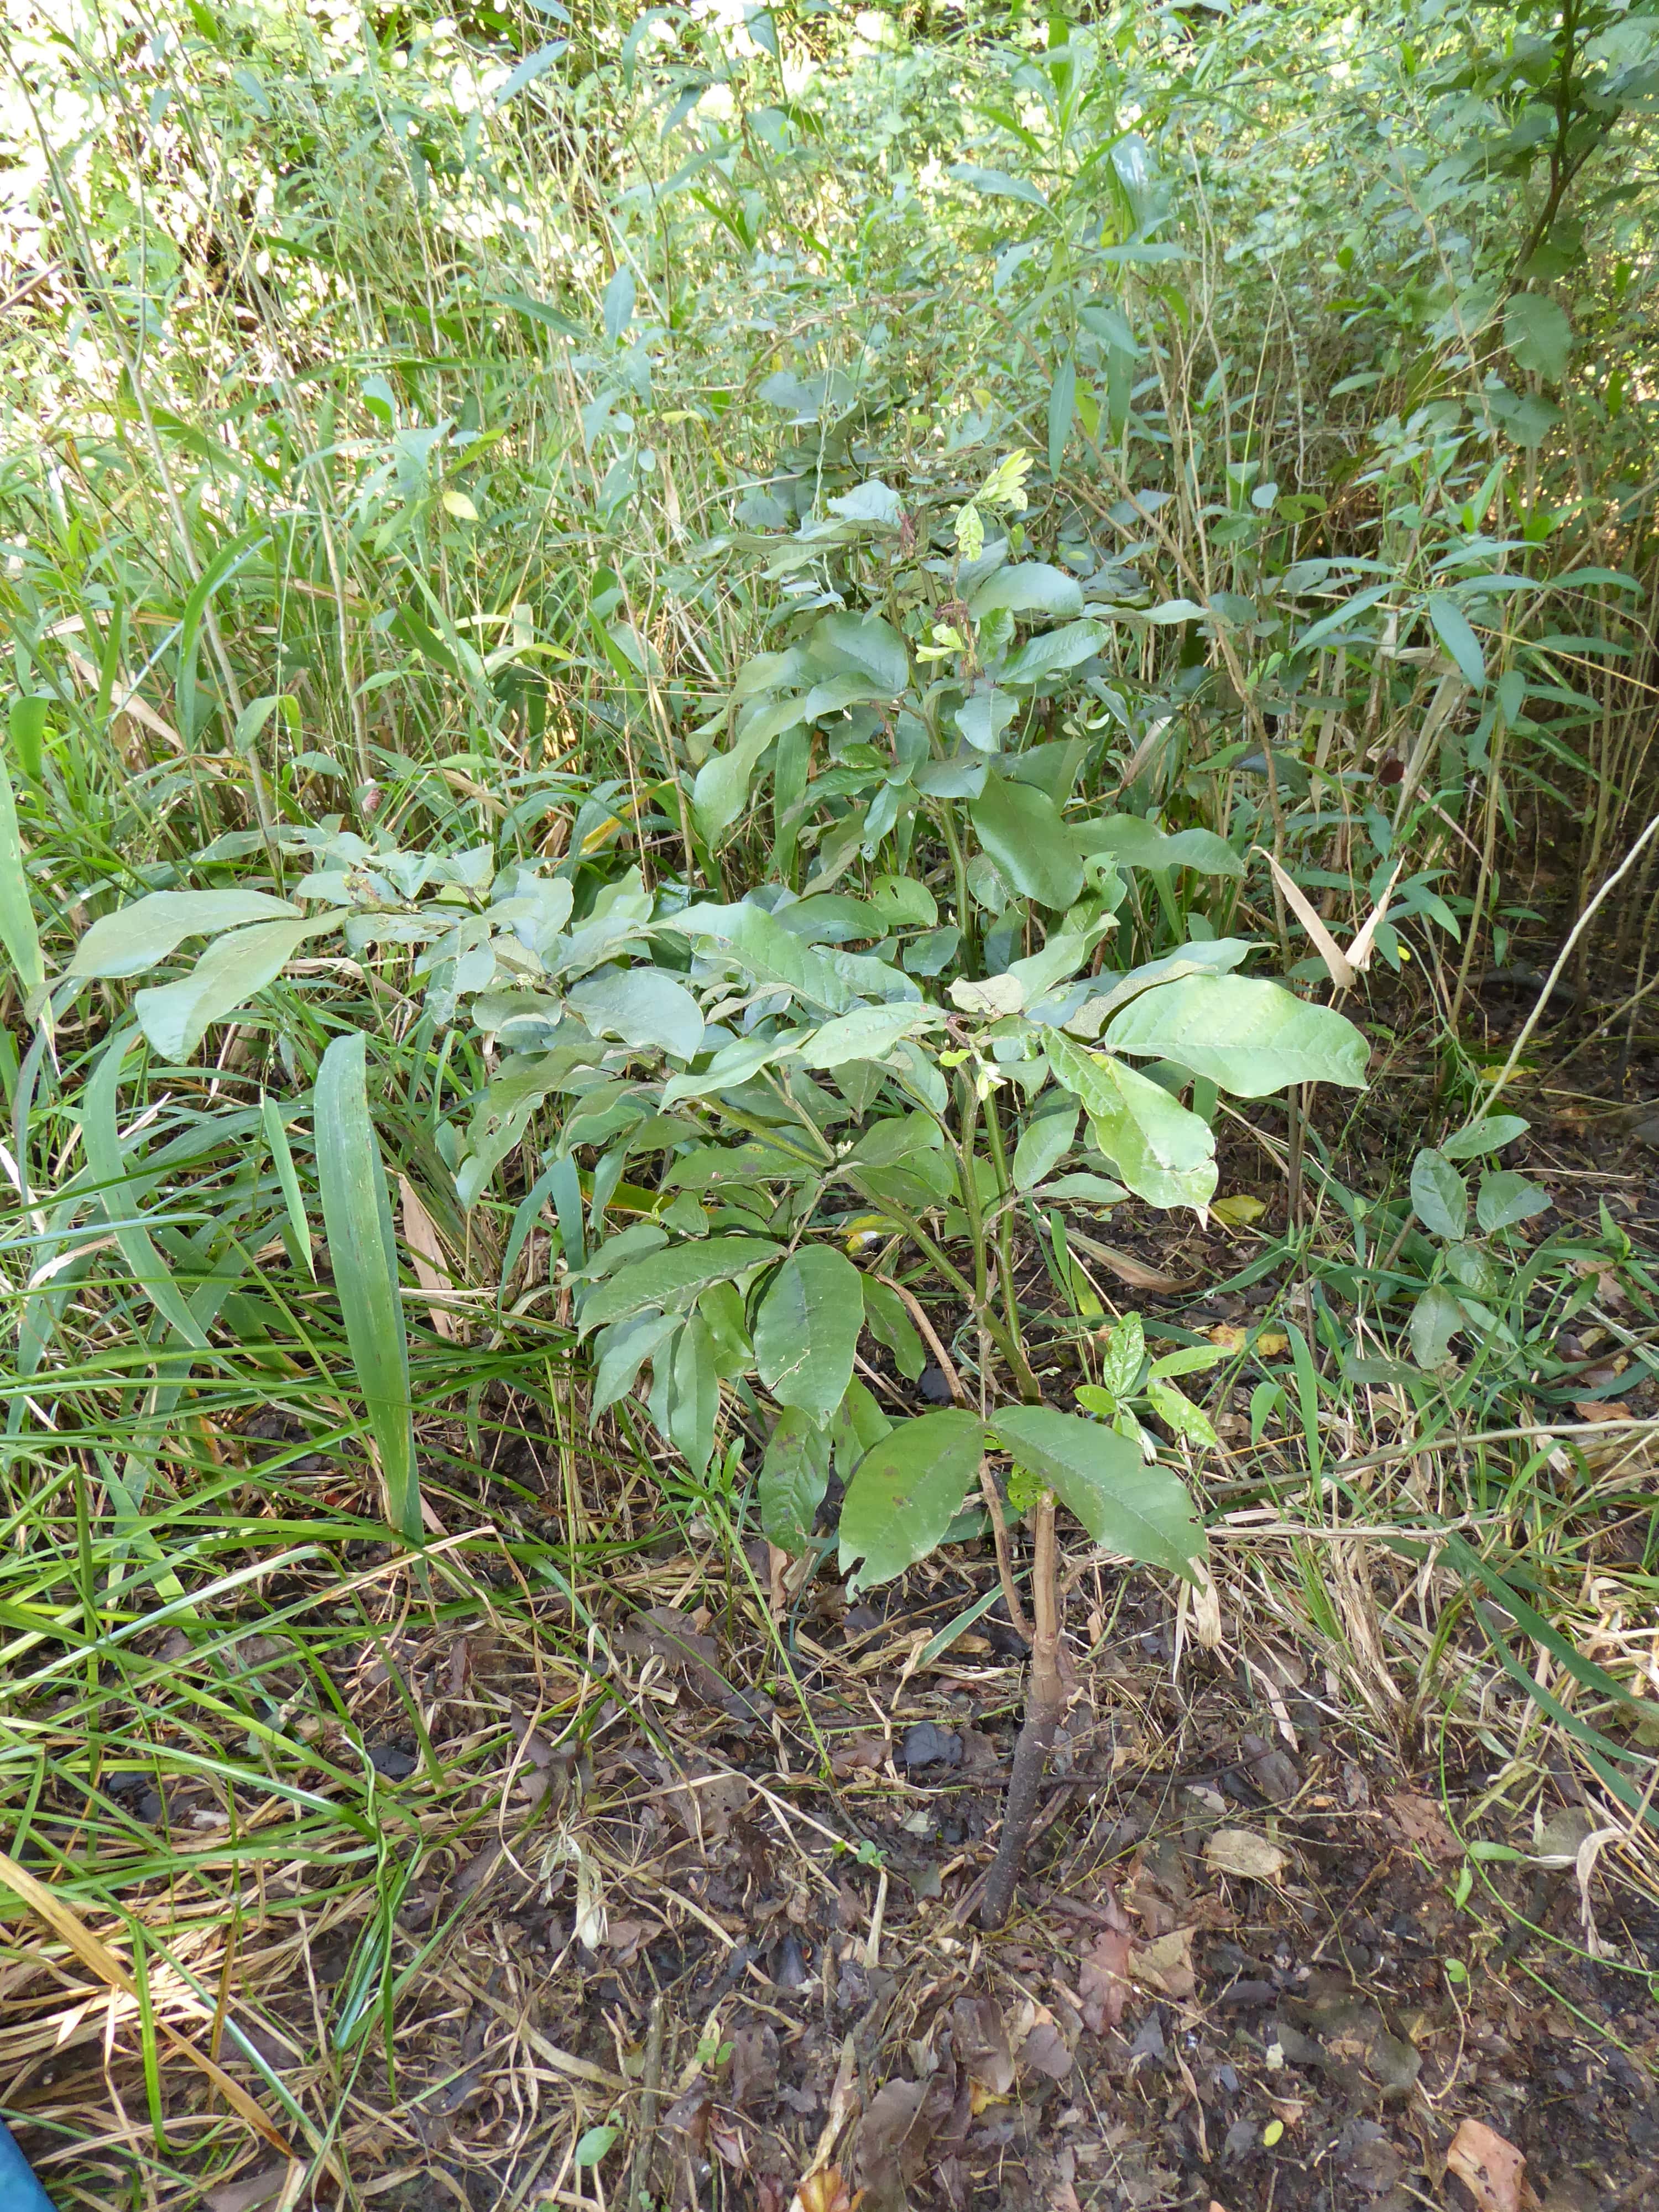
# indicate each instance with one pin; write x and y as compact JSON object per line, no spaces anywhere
{"x":1045,"y":1701}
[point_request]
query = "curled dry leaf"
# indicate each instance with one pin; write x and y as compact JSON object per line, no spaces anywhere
{"x":824,"y":2192}
{"x":1491,"y":2169}
{"x":1240,"y":1852}
{"x":431,"y":1265}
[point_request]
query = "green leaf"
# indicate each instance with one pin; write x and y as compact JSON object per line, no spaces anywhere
{"x":1436,"y":1319}
{"x":1062,"y":404}
{"x":1021,"y":829}
{"x":1123,"y":1355}
{"x":905,"y":900}
{"x":1452,"y":627}
{"x":363,"y":1255}
{"x":794,"y":1477}
{"x":870,"y":1033}
{"x":531,"y":67}
{"x":1053,"y":650}
{"x":642,"y":1006}
{"x":18,"y":931}
{"x":906,"y":1491}
{"x":1539,"y":333}
{"x":857,"y":1426}
{"x":282,"y":1155}
{"x":720,"y":790}
{"x":1489,"y":1136}
{"x":1439,"y":1195}
{"x":770,"y":954}
{"x":622,"y":1351}
{"x":1142,"y":1512}
{"x":1043,"y":1144}
{"x":101,"y":1137}
{"x":1179,"y":1413}
{"x":672,"y":1278}
{"x":591,"y":2146}
{"x":807,"y":1329}
{"x":137,"y":937}
{"x":1251,"y":1037}
{"x":694,"y":1397}
{"x":867,"y":643}
{"x":1138,"y":844}
{"x":175,"y":1016}
{"x":1028,"y":587}
{"x":1165,"y":1154}
{"x":888,"y":1319}
{"x":731,"y":1067}
{"x":1506,"y":1198}
{"x":29,"y":723}
{"x":996,"y":182}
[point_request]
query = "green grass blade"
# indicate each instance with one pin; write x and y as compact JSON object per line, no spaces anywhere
{"x":103,"y":1148}
{"x":17,"y":927}
{"x":357,"y":1221}
{"x":286,"y":1175}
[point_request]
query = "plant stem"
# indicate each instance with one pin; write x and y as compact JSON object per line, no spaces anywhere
{"x":1045,"y":1701}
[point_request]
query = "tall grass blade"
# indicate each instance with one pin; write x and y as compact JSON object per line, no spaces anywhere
{"x":357,"y":1221}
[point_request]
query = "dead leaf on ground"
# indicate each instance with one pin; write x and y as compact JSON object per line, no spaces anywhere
{"x":1103,"y":1979}
{"x":824,"y":2192}
{"x":981,"y":2043}
{"x":1422,"y":1821}
{"x":1038,"y":2043}
{"x":1241,"y":1851}
{"x":1136,"y":1274}
{"x":663,"y":1632}
{"x":1489,"y":2168}
{"x":1167,"y":1965}
{"x":865,"y":1753}
{"x":246,"y":2196}
{"x":1602,"y":1409}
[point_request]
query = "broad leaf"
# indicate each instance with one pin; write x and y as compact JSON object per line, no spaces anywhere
{"x":1021,"y":829}
{"x":623,"y":1349}
{"x":672,"y":1278}
{"x":721,"y":791}
{"x":907,"y":1491}
{"x":732,"y":1066}
{"x":642,"y":1006}
{"x":870,"y":1033}
{"x":769,"y":954}
{"x":1488,"y":1136}
{"x":1138,"y":844}
{"x":1165,"y":1154}
{"x":997,"y":183}
{"x":1436,"y":1319}
{"x":363,"y":1256}
{"x":1439,"y":1194}
{"x":1539,"y":333}
{"x":1030,"y":587}
{"x":135,"y":938}
{"x":794,"y":1478}
{"x":1219,"y":955}
{"x":695,"y":1396}
{"x":870,"y":645}
{"x":1142,"y":1512}
{"x":1506,"y":1198}
{"x":175,"y":1016}
{"x":888,"y":1319}
{"x":1054,"y":650}
{"x":807,"y":1329}
{"x":1252,"y":1038}
{"x":1043,"y":1146}
{"x":1123,"y":1355}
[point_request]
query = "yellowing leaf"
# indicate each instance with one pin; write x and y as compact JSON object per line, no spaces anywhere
{"x":1271,"y":2133}
{"x":457,"y":504}
{"x":1228,"y":1336}
{"x":1238,"y":1210}
{"x":1270,"y":1343}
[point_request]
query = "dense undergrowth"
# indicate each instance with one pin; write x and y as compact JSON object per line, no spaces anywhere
{"x":714,"y":616}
